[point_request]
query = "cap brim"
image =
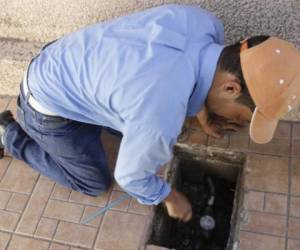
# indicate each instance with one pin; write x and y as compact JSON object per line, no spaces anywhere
{"x":262,"y":128}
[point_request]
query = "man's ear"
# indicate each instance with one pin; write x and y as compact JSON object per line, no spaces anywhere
{"x":230,"y":88}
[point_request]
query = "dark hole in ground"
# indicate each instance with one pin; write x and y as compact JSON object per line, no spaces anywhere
{"x":214,"y":218}
{"x":210,"y":227}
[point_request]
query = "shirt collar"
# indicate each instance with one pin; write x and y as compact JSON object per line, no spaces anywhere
{"x":208,"y":65}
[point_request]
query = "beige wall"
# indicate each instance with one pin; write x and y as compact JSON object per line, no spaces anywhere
{"x":26,"y":24}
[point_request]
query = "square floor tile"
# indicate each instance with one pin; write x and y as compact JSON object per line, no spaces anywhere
{"x":8,"y":220}
{"x":17,"y":202}
{"x":267,"y":173}
{"x":61,"y":193}
{"x":253,"y":241}
{"x":75,"y":234}
{"x":19,"y":242}
{"x":127,"y":228}
{"x":276,"y":203}
{"x":264,"y":223}
{"x":254,"y":200}
{"x":19,"y":178}
{"x":61,"y":210}
{"x":46,"y":228}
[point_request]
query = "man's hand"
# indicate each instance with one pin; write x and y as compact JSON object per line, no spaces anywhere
{"x":178,"y":206}
{"x":209,"y":127}
{"x":214,"y":125}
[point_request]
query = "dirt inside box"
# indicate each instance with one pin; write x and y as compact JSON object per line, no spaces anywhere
{"x":210,"y":225}
{"x":211,"y":179}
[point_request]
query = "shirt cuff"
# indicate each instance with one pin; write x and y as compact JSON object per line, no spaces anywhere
{"x":165,"y":191}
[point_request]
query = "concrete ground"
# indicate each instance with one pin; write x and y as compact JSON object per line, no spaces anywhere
{"x":26,"y":25}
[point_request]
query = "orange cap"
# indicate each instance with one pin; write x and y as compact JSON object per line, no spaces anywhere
{"x":272,"y":74}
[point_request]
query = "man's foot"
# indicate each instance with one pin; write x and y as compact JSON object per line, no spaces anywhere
{"x":6,"y":118}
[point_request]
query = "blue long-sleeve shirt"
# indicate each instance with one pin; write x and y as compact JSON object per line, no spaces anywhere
{"x":140,"y":74}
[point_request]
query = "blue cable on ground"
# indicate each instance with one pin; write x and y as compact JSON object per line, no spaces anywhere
{"x":103,"y":210}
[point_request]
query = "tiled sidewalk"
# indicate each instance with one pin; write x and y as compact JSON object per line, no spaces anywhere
{"x":36,"y":213}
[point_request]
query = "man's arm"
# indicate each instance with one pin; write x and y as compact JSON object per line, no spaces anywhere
{"x":141,"y":153}
{"x":215,"y":126}
{"x":207,"y":125}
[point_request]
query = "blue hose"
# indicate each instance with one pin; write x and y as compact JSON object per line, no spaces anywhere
{"x":103,"y":210}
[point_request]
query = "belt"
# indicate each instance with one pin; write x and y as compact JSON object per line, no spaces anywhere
{"x":33,"y":102}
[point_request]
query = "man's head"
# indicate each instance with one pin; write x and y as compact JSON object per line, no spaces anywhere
{"x":257,"y":79}
{"x":229,"y":96}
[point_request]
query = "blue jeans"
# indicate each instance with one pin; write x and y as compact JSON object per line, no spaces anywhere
{"x":68,"y":152}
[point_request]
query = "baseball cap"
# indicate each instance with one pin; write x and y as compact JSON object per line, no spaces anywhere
{"x":272,"y":74}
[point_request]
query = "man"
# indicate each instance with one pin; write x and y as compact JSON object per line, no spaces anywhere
{"x":139,"y":76}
